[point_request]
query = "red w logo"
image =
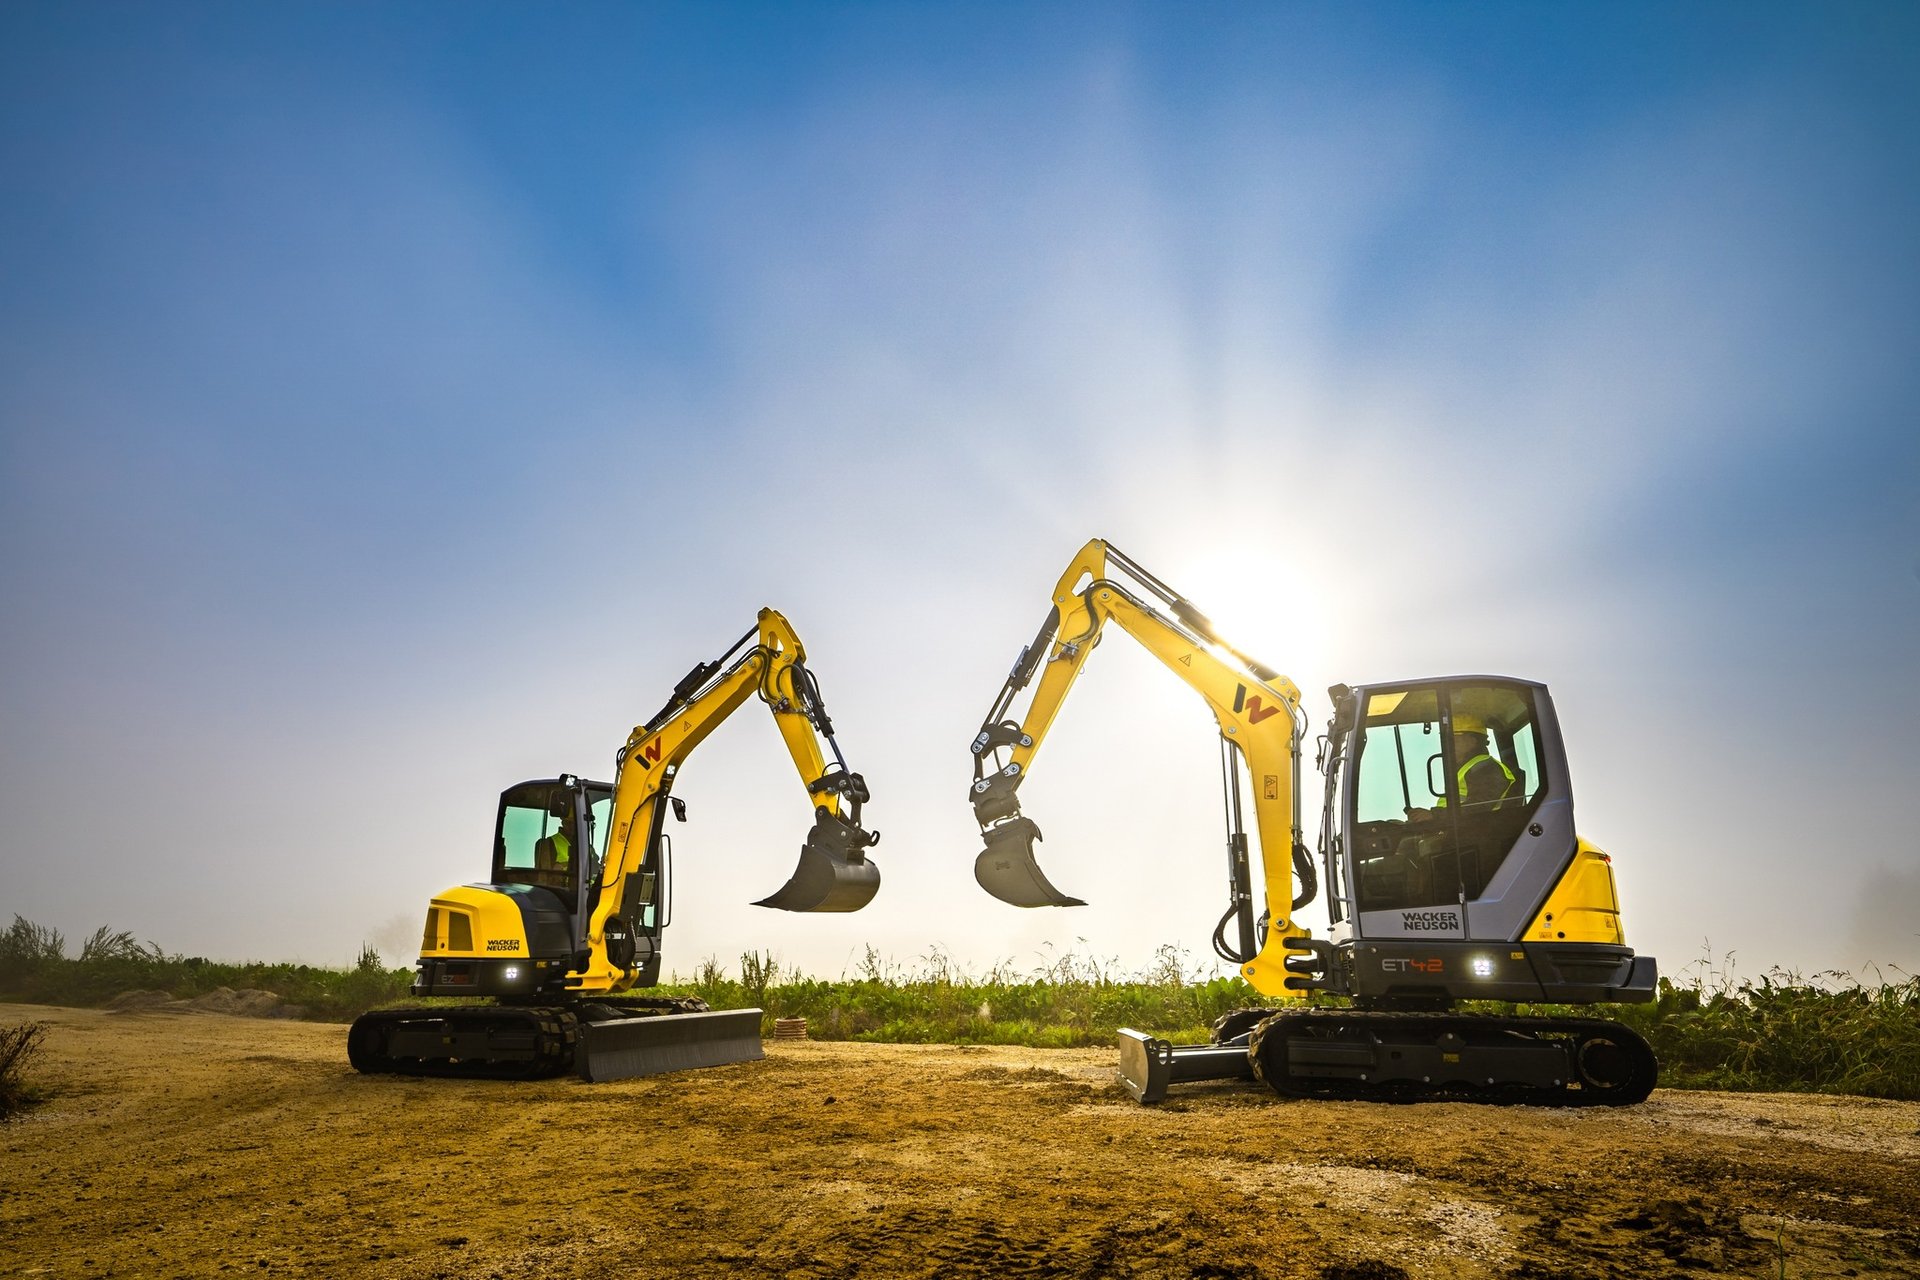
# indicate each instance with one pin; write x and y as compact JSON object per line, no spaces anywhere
{"x":1255,"y":712}
{"x":650,"y":754}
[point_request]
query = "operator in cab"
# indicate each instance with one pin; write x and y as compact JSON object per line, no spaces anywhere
{"x":1481,"y":778}
{"x":553,"y":852}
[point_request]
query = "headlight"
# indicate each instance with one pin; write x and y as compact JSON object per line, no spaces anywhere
{"x":1482,"y":967}
{"x":512,"y":972}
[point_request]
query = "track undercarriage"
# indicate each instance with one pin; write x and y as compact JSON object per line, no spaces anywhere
{"x":610,"y":1039}
{"x":1404,"y":1057}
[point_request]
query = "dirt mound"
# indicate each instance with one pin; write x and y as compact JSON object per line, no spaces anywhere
{"x":249,"y":1002}
{"x":139,"y":1002}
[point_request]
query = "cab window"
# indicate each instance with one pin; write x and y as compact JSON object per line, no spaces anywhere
{"x":535,"y":843}
{"x":1445,"y":781}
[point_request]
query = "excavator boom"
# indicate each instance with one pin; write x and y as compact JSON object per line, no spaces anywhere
{"x":1256,"y":709}
{"x":833,"y":872}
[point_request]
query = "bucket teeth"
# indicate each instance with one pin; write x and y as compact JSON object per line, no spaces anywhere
{"x":834,"y":873}
{"x":1007,"y":870}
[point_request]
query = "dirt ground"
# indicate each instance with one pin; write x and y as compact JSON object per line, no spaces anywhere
{"x":194,"y":1144}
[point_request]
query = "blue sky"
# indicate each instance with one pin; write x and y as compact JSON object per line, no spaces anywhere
{"x":396,"y":401}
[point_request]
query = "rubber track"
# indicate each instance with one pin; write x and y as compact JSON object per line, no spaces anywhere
{"x":554,"y":1033}
{"x":1268,"y":1048}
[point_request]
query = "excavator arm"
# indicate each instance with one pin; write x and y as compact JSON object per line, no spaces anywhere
{"x":834,"y":873}
{"x":1260,"y":722}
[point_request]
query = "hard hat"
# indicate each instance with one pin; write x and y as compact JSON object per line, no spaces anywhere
{"x":1467,"y":722}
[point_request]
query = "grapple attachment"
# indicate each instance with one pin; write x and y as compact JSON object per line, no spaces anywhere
{"x":1007,"y":870}
{"x":834,"y":872}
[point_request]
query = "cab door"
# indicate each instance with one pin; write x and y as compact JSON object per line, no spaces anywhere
{"x":1445,"y":783}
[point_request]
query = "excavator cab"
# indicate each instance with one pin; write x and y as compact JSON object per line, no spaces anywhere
{"x":552,"y":834}
{"x":1448,"y":842}
{"x":1444,"y":780}
{"x":519,"y":934}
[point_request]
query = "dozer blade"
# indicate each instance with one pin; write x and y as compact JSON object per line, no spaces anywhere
{"x":1148,"y":1065}
{"x":628,"y":1047}
{"x":1008,"y":871}
{"x":834,"y":874}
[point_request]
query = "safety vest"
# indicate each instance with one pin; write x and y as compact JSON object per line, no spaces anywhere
{"x":1460,"y":779}
{"x":562,"y":849}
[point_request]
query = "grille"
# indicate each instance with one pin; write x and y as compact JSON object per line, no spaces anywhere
{"x":1587,"y":968}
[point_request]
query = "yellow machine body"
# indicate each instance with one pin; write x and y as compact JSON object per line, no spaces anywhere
{"x":1584,"y":906}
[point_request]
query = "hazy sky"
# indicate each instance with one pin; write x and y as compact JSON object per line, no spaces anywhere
{"x":395,"y":401}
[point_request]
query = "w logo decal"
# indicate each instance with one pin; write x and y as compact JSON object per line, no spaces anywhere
{"x":1252,"y":707}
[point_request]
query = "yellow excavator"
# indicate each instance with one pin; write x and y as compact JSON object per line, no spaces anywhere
{"x":570,"y":919}
{"x":1447,"y":844}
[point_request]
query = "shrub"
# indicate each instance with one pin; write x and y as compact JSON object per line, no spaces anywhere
{"x":1787,"y":1033}
{"x":28,"y":948}
{"x":19,"y":1047}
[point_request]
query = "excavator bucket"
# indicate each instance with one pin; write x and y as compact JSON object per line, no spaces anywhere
{"x":834,"y":874}
{"x":1008,"y":871}
{"x":624,"y":1048}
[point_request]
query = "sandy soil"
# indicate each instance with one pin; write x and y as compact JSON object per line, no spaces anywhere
{"x":192,"y":1144}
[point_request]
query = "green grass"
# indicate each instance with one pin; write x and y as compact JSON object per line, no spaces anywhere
{"x":1828,"y":1034}
{"x":1071,"y":1001}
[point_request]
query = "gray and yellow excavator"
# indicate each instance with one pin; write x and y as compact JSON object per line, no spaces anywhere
{"x":1447,"y":844}
{"x":569,"y":921}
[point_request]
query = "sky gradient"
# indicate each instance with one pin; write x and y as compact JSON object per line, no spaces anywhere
{"x":395,"y":401}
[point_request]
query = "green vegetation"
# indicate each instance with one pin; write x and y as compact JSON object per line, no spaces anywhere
{"x":35,"y":969}
{"x":1070,"y":1001}
{"x":1830,"y":1034}
{"x":1827,"y":1035}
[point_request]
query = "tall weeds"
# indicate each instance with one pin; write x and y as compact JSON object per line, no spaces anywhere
{"x":1828,"y":1034}
{"x":1067,"y":999}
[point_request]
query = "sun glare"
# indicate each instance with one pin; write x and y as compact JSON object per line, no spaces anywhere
{"x":1267,"y":607}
